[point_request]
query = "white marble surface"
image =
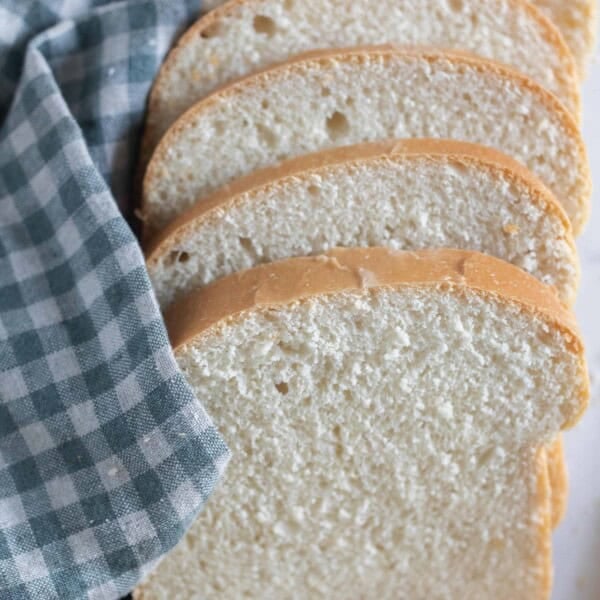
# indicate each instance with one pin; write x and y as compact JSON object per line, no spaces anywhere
{"x":577,"y":540}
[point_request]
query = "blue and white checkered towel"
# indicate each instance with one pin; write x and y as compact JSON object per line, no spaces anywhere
{"x":105,"y":454}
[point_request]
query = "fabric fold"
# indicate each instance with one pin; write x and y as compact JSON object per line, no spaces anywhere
{"x":105,"y":453}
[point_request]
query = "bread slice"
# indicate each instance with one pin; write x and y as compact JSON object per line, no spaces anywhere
{"x":383,"y":409}
{"x":407,"y":194}
{"x":577,"y":21}
{"x":337,"y":98}
{"x":243,"y":36}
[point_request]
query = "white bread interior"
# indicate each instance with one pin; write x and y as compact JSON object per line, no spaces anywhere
{"x":576,"y":20}
{"x":331,"y":99}
{"x":371,"y":457}
{"x":244,"y":36}
{"x":405,"y":194}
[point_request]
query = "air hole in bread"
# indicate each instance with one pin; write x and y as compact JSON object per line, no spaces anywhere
{"x":220,"y":127}
{"x":337,"y":125}
{"x":245,"y":243}
{"x":486,"y":457}
{"x":265,"y":104}
{"x":313,"y":190}
{"x":339,"y":446}
{"x":307,"y":401}
{"x":398,"y":536}
{"x":248,"y":246}
{"x":183,"y":256}
{"x":266,"y":135}
{"x":264,"y":25}
{"x":282,"y":388}
{"x":211,"y":31}
{"x":325,"y":91}
{"x":456,"y":5}
{"x":284,"y":347}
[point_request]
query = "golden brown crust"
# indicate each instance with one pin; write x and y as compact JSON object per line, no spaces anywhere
{"x":348,"y":270}
{"x":327,"y":58}
{"x":559,"y":480}
{"x":568,"y":75}
{"x":543,"y":505}
{"x":339,"y":270}
{"x":408,"y":149}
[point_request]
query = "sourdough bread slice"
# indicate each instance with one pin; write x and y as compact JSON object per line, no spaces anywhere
{"x":243,"y":36}
{"x":384,"y":410}
{"x":337,"y":98}
{"x":577,"y":21}
{"x":406,"y":194}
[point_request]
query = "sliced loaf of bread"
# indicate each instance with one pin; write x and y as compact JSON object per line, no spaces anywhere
{"x":576,"y":20}
{"x":407,"y":195}
{"x":384,"y":410}
{"x":243,"y":36}
{"x":337,"y":98}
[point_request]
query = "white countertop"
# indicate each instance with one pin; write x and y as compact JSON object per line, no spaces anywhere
{"x":577,"y":540}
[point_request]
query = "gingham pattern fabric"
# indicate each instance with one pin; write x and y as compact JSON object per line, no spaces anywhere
{"x":105,"y":454}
